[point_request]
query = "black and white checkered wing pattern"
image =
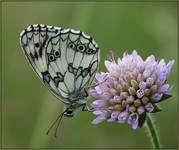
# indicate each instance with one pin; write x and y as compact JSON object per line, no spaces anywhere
{"x":66,"y":60}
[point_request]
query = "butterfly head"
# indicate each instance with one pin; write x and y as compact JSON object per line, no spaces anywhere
{"x":69,"y":112}
{"x":75,"y":104}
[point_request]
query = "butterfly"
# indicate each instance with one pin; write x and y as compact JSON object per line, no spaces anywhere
{"x":66,"y":61}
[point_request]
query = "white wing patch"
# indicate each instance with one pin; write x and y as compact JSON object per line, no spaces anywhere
{"x":65,"y":59}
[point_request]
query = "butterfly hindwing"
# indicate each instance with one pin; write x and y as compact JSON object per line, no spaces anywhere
{"x":65,"y":59}
{"x":33,"y":41}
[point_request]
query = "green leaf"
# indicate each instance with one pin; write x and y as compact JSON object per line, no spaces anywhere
{"x":142,"y":118}
{"x":156,"y":109}
{"x":166,"y":96}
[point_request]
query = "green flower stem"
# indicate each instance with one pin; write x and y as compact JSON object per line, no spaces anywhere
{"x":153,"y":132}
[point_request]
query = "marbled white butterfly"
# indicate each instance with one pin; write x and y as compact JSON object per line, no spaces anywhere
{"x":65,"y":59}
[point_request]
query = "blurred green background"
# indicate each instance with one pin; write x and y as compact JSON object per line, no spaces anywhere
{"x":29,"y":108}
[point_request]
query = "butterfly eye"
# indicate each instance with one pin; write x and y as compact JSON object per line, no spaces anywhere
{"x":57,"y":54}
{"x":37,"y":45}
{"x":71,"y":45}
{"x":69,"y":113}
{"x":81,"y":48}
{"x":51,"y":58}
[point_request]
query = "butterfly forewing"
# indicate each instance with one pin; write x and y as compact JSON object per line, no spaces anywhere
{"x":65,"y":59}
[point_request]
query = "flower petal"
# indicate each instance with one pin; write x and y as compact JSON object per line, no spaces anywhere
{"x":99,"y":104}
{"x":149,"y":107}
{"x":93,"y":93}
{"x":98,"y":119}
{"x":99,"y":112}
{"x":122,"y":117}
{"x":157,"y":96}
{"x":164,"y":88}
{"x":133,"y":120}
{"x":114,"y":114}
{"x":169,"y":67}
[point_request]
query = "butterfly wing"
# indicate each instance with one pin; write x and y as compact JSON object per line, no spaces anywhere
{"x":79,"y":57}
{"x":66,"y":60}
{"x":33,"y":41}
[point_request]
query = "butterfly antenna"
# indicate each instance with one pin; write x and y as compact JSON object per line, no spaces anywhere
{"x":58,"y":118}
{"x":94,"y":85}
{"x":112,"y":56}
{"x":58,"y":124}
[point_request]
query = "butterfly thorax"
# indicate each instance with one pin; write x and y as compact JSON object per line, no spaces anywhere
{"x":78,"y":96}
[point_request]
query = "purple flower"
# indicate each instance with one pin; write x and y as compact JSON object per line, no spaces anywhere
{"x":130,"y":88}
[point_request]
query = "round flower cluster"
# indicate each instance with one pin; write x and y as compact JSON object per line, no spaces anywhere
{"x":130,"y":88}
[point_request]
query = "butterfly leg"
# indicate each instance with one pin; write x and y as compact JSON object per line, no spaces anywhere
{"x":95,"y":84}
{"x":85,"y":107}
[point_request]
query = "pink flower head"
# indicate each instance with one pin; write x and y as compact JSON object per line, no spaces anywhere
{"x":130,"y":89}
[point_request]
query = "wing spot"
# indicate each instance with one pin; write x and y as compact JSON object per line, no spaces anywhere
{"x":71,"y":45}
{"x":56,"y":30}
{"x":58,"y":78}
{"x":90,"y":51}
{"x":46,"y":76}
{"x":81,"y":48}
{"x":37,"y":45}
{"x":72,"y":69}
{"x":85,"y":72}
{"x":57,"y":54}
{"x":51,"y":57}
